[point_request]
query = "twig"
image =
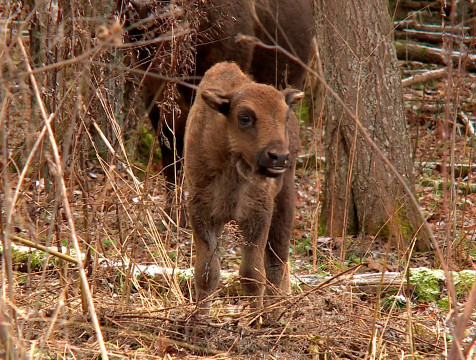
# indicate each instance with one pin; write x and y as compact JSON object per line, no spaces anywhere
{"x":66,"y":206}
{"x":6,"y":337}
{"x":449,"y":195}
{"x":303,"y":295}
{"x":196,"y":348}
{"x":460,"y":326}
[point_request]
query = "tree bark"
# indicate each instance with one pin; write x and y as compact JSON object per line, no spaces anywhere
{"x":360,"y":65}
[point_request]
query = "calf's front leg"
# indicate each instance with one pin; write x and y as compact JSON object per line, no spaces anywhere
{"x":207,"y":261}
{"x":277,"y":248}
{"x":255,"y":228}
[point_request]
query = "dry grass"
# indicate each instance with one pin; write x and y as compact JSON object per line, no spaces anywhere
{"x":68,"y":181}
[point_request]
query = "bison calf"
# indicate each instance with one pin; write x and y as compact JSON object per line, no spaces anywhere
{"x":241,"y":143}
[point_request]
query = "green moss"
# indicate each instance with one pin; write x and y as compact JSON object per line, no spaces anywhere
{"x":355,"y":258}
{"x":20,"y":259}
{"x":387,"y":303}
{"x":405,"y":227}
{"x":185,"y":275}
{"x":107,"y":243}
{"x":173,"y":255}
{"x":402,"y":226}
{"x":303,"y":112}
{"x":464,"y":280}
{"x":144,"y":147}
{"x":232,"y":285}
{"x":427,"y":283}
{"x":443,"y":303}
{"x":428,"y":182}
{"x":321,"y":231}
{"x":302,"y":246}
{"x":407,"y":231}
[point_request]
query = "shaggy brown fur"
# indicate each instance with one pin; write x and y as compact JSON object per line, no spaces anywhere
{"x":288,"y":23}
{"x":240,"y":151}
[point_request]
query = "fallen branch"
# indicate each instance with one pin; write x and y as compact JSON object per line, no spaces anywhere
{"x":461,"y":186}
{"x":461,"y":170}
{"x":45,"y":249}
{"x":435,"y":108}
{"x":466,"y":126}
{"x":367,"y":283}
{"x":434,"y":37}
{"x":469,"y":126}
{"x":430,"y":54}
{"x":424,"y":77}
{"x":420,"y":5}
{"x":412,"y":24}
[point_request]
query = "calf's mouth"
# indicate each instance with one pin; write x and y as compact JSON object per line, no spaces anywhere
{"x":274,"y":171}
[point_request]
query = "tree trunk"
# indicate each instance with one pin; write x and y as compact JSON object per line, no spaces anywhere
{"x":360,"y":65}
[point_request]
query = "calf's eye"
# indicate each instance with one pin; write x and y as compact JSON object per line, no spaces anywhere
{"x":244,"y":120}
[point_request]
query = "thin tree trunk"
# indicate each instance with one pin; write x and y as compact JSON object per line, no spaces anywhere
{"x":360,"y":65}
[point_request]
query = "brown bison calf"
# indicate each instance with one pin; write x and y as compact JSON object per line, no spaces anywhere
{"x":241,"y":143}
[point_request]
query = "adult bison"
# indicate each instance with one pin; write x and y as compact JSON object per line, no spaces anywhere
{"x":286,"y":23}
{"x":241,"y":143}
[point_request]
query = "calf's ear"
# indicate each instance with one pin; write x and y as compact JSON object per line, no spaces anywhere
{"x":217,"y":99}
{"x":292,"y":96}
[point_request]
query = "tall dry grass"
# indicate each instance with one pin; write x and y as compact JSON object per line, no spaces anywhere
{"x":69,"y":125}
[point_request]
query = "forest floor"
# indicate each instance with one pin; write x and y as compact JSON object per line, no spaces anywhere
{"x":144,"y":317}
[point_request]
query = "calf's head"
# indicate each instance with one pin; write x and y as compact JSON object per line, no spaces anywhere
{"x":257,"y":118}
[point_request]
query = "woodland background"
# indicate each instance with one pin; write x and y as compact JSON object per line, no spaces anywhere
{"x":81,"y":178}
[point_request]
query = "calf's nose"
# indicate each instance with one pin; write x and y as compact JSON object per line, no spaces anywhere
{"x":273,"y":160}
{"x":277,"y":159}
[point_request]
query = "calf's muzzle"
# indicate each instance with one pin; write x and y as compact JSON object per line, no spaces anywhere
{"x":273,"y":160}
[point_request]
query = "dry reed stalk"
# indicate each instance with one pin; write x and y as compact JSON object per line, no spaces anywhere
{"x":66,"y":205}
